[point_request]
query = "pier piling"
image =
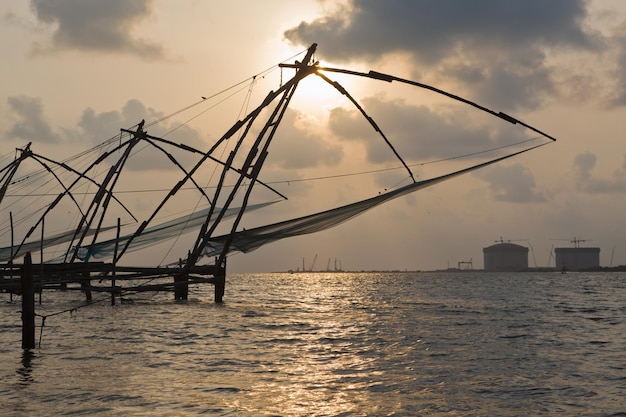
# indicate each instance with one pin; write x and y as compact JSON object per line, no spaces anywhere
{"x":181,"y":286}
{"x":28,"y":304}
{"x":85,"y":286}
{"x":220,"y":284}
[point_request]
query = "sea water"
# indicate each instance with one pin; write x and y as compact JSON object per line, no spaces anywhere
{"x":329,"y":344}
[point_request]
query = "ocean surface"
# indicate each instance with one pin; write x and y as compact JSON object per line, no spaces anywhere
{"x":329,"y":344}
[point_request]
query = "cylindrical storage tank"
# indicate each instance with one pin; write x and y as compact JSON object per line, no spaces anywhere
{"x":505,"y":257}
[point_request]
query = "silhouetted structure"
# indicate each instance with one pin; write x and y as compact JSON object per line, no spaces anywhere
{"x":505,"y":257}
{"x":573,"y":259}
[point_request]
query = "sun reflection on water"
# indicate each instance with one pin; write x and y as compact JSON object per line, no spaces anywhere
{"x":333,"y":345}
{"x":314,"y":361}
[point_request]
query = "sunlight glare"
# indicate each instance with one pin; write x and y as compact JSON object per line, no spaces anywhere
{"x":314,"y":94}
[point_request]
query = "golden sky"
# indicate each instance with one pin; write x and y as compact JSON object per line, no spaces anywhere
{"x":76,"y":72}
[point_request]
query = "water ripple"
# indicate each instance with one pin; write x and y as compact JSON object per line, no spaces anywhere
{"x":332,"y":345}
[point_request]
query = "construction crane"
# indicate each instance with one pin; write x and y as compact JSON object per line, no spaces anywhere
{"x":532,"y":251}
{"x":575,"y":241}
{"x":502,"y":240}
{"x":466,"y":265}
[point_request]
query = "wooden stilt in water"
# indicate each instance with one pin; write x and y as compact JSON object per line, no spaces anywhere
{"x":28,"y":304}
{"x":220,"y":283}
{"x":85,"y":286}
{"x":181,"y":287}
{"x":40,"y":286}
{"x":117,"y":240}
{"x":11,"y":259}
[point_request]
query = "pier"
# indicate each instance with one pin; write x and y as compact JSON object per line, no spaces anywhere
{"x":101,"y":277}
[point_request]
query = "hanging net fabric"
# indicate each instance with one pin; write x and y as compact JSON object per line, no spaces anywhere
{"x":150,"y":236}
{"x":251,"y":239}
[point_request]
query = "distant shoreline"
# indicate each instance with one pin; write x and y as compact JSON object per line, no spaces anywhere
{"x":620,"y":268}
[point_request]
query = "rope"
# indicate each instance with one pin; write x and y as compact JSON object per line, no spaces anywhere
{"x":288,"y":181}
{"x":117,"y":136}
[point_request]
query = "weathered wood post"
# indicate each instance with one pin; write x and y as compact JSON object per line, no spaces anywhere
{"x":220,"y":283}
{"x":181,"y":286}
{"x":11,"y":259}
{"x":28,"y":304}
{"x":40,"y":286}
{"x":117,"y":241}
{"x":85,"y":285}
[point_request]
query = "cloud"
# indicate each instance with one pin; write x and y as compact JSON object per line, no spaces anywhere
{"x":583,"y":166}
{"x":418,"y":133}
{"x":299,"y":145}
{"x":32,"y":125}
{"x":434,"y":29}
{"x":618,"y":96}
{"x":100,"y":26}
{"x":94,"y":128}
{"x":514,"y":184}
{"x":498,"y":50}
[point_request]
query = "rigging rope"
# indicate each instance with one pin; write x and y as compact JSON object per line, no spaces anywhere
{"x":288,"y":181}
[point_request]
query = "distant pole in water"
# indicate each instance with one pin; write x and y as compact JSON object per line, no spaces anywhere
{"x":28,"y":304}
{"x":43,"y":223}
{"x":220,"y":281}
{"x":117,"y":240}
{"x":11,"y":259}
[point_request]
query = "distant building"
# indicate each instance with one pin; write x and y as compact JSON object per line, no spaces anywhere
{"x":577,"y":258}
{"x":505,"y":257}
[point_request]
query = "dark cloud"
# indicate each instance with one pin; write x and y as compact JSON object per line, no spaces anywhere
{"x":514,"y":184}
{"x":32,"y":125}
{"x":418,"y":133}
{"x":297,"y":145}
{"x":102,"y":26}
{"x":94,"y":128}
{"x":495,"y":48}
{"x":583,"y":166}
{"x":617,"y":98}
{"x":435,"y":29}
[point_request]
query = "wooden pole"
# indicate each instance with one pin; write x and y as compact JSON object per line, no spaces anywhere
{"x":11,"y":259}
{"x":181,"y":287}
{"x":85,"y":285}
{"x":117,"y":240}
{"x":43,"y":219}
{"x":220,"y":282}
{"x":28,"y":304}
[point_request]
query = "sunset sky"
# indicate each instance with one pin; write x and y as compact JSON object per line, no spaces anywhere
{"x":74,"y":72}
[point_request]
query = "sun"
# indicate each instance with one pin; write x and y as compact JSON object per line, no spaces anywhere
{"x":315,"y":94}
